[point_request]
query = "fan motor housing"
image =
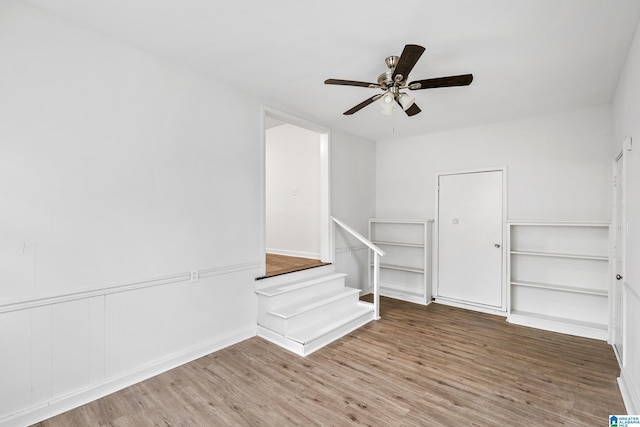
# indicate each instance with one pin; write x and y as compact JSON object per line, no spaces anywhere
{"x":385,"y":79}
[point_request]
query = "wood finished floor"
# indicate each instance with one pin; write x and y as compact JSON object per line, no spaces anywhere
{"x":417,"y":366}
{"x":281,"y":264}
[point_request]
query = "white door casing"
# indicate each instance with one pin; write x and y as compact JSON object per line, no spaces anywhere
{"x":618,"y":265}
{"x":470,"y":238}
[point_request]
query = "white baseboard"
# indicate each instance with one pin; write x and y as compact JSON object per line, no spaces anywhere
{"x":79,"y":397}
{"x":280,"y":340}
{"x":300,"y":254}
{"x":473,"y":307}
{"x":557,"y":326}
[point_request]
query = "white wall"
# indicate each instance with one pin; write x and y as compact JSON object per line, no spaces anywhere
{"x":353,"y":178}
{"x":119,"y":173}
{"x":558,"y":166}
{"x":292,"y":191}
{"x":626,"y":123}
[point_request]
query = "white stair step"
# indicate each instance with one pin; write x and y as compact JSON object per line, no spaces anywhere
{"x":310,"y":333}
{"x":309,"y":311}
{"x":305,"y":311}
{"x":267,"y":282}
{"x":313,"y":303}
{"x":287,"y":294}
{"x":283,"y":288}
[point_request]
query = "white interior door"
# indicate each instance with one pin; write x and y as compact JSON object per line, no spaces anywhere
{"x":470,"y":224}
{"x":617,"y":322}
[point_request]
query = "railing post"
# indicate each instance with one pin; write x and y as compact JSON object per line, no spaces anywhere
{"x":377,"y":253}
{"x":376,"y":294}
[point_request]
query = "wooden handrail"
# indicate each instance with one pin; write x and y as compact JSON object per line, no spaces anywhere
{"x":358,"y":236}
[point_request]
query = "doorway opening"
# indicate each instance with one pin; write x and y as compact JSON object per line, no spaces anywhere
{"x":296,"y":215}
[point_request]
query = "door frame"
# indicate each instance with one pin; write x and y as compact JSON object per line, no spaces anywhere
{"x":502,"y":311}
{"x":326,"y":237}
{"x":615,"y":285}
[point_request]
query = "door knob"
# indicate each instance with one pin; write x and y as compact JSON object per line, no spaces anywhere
{"x":497,"y":245}
{"x":618,"y":277}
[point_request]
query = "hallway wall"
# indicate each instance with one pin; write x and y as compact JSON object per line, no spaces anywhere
{"x":626,"y":124}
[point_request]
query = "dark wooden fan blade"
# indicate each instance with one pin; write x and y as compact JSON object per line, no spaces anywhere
{"x":410,"y":55}
{"x":462,"y":80}
{"x":350,"y":83}
{"x":413,"y":110}
{"x":363,"y":104}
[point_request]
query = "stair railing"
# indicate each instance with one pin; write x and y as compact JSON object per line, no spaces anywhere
{"x":377,"y":253}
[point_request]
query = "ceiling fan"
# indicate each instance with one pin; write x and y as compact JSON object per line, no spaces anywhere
{"x":392,"y":81}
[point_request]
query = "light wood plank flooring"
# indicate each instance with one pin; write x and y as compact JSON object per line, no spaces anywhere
{"x":433,"y":366}
{"x":282,"y":264}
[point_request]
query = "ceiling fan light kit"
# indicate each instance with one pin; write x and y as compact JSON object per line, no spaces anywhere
{"x":406,"y":101}
{"x":395,"y":79}
{"x":386,"y":107}
{"x":392,"y":97}
{"x":387,"y":98}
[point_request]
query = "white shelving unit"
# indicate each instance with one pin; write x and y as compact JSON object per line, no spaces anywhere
{"x":559,"y":276}
{"x":405,"y":270}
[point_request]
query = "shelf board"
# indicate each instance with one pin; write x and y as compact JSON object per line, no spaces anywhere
{"x":402,"y":268}
{"x":559,"y":223}
{"x":562,"y":288}
{"x":561,"y":255}
{"x":406,"y":245}
{"x":400,"y":221}
{"x":563,"y":320}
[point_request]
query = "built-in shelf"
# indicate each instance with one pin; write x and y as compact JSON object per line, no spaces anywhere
{"x":556,"y":280}
{"x":405,"y":245}
{"x":405,"y":270}
{"x":560,"y":288}
{"x":561,"y":255}
{"x":559,"y":223}
{"x":402,"y":268}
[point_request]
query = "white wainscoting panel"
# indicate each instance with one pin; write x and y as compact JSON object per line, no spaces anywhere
{"x":15,"y":361}
{"x":111,"y":334}
{"x":62,"y":351}
{"x":41,"y":351}
{"x":629,"y":380}
{"x":70,"y":356}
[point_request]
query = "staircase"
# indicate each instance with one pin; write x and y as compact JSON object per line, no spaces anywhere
{"x":307,"y":310}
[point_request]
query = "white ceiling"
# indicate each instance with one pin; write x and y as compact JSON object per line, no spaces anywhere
{"x":528,"y":57}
